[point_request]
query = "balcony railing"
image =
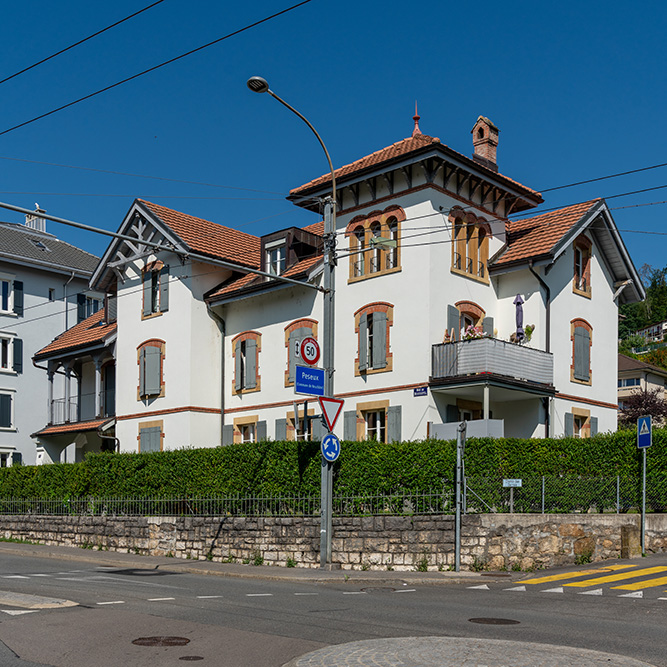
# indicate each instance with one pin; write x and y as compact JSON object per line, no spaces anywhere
{"x":490,"y":355}
{"x":82,"y":408}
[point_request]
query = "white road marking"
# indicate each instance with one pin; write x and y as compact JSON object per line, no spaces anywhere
{"x":408,"y":590}
{"x":18,"y":612}
{"x":597,"y":591}
{"x":306,"y":593}
{"x":14,"y":576}
{"x":208,"y":597}
{"x":559,"y":589}
{"x":113,"y":602}
{"x":636,"y":594}
{"x":40,"y":575}
{"x":259,"y":595}
{"x":482,"y":587}
{"x":159,"y":599}
{"x":354,"y":592}
{"x":662,"y":598}
{"x":516,"y":588}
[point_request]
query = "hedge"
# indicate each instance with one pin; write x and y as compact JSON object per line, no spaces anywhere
{"x":293,"y":468}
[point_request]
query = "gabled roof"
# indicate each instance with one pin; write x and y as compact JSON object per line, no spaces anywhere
{"x":535,"y":238}
{"x":629,"y":364}
{"x":411,"y":146}
{"x":92,"y":331}
{"x":315,"y":228}
{"x":25,"y":245}
{"x":72,"y":427}
{"x":252,"y":284}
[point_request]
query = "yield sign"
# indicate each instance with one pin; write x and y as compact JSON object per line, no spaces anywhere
{"x":331,"y":408}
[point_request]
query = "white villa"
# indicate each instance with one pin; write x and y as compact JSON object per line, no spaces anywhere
{"x":200,"y":351}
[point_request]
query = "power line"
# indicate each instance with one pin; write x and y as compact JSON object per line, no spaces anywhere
{"x":155,"y":67}
{"x":81,"y":41}
{"x":604,"y":178}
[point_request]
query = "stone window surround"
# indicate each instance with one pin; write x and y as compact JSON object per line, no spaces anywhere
{"x":580,"y":322}
{"x":244,"y":421}
{"x":371,"y":406}
{"x":239,"y":338}
{"x":305,"y":323}
{"x":153,"y":342}
{"x":152,"y":424}
{"x":585,"y":246}
{"x":388,"y":309}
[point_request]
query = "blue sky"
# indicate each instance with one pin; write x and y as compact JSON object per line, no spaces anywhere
{"x":576,"y":88}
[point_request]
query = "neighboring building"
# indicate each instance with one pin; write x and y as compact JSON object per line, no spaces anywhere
{"x":635,"y":375}
{"x":205,"y":351}
{"x":655,"y":333}
{"x":43,"y":289}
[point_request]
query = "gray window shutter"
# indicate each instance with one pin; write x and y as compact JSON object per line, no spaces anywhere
{"x":147,"y":293}
{"x":281,"y":429}
{"x":350,"y":425}
{"x":261,"y":431}
{"x":228,"y":434}
{"x":363,"y":342}
{"x":5,"y":410}
{"x":142,"y":371}
{"x":487,"y":326}
{"x":581,"y":354}
{"x":379,"y":340}
{"x":164,"y":289}
{"x":296,"y":335}
{"x":18,"y":355}
{"x":238,"y":366}
{"x":18,"y":297}
{"x":394,"y":423}
{"x":152,"y":371}
{"x":150,"y":439}
{"x":451,"y":414}
{"x":594,"y":426}
{"x":17,"y":458}
{"x":453,"y":320}
{"x":80,"y":308}
{"x":250,"y":379}
{"x":569,"y":424}
{"x":319,"y":427}
{"x":112,"y":308}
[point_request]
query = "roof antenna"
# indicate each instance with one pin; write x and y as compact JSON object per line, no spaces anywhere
{"x":416,"y":117}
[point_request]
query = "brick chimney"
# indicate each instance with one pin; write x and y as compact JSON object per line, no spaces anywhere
{"x":485,"y":143}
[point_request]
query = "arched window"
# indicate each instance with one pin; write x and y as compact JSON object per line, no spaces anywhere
{"x":360,"y":260}
{"x":392,"y":254}
{"x":372,"y":324}
{"x":245,"y":350}
{"x":470,"y":244}
{"x":581,"y":335}
{"x":150,"y":358}
{"x":377,"y":252}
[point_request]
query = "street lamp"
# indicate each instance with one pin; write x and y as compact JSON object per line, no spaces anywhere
{"x":259,"y":85}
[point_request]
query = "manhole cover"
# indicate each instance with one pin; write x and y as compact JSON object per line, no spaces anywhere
{"x":191,"y":658}
{"x":161,"y":641}
{"x":494,"y":621}
{"x":378,"y":589}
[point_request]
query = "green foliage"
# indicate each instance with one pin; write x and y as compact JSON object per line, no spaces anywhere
{"x":293,"y":468}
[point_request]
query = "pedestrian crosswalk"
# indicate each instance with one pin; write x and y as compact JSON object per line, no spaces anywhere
{"x":622,"y":580}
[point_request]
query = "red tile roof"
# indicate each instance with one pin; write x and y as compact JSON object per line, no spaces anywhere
{"x":399,"y":149}
{"x":315,"y":228}
{"x":535,"y":237}
{"x":72,"y":427}
{"x":210,"y":238}
{"x":92,"y":330}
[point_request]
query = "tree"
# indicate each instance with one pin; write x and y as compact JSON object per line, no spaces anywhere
{"x":643,"y":402}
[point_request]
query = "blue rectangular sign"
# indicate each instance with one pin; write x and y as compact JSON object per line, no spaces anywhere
{"x":309,"y":380}
{"x":644,"y":432}
{"x":420,"y":391}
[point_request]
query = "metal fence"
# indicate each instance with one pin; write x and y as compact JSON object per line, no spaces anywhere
{"x":482,"y":495}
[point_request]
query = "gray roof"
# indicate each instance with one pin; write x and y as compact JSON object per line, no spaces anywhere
{"x":23,"y":245}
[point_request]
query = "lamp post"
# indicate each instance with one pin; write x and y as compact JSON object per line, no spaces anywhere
{"x":259,"y":85}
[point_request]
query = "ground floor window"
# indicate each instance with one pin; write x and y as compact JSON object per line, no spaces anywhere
{"x":151,"y":436}
{"x":375,"y":425}
{"x":248,"y":432}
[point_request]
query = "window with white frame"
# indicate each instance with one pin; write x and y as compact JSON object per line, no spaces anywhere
{"x":155,"y":287}
{"x":11,"y":354}
{"x":629,"y":382}
{"x":376,"y":425}
{"x":150,"y":357}
{"x":372,"y":324}
{"x":246,"y":348}
{"x":248,"y":432}
{"x":276,"y":258}
{"x":11,"y":295}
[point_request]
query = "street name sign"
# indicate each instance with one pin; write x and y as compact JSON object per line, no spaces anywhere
{"x":309,"y":381}
{"x":331,"y":408}
{"x":644,"y":432}
{"x":330,"y":447}
{"x":511,"y":483}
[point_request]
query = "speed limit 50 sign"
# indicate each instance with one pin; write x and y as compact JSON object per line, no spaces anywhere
{"x":309,"y":351}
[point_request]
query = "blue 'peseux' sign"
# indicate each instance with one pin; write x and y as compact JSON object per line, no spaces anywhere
{"x":309,"y":381}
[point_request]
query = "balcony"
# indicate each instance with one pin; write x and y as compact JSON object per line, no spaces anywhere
{"x":82,"y":408}
{"x":451,"y":362}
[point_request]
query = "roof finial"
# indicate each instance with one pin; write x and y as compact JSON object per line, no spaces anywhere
{"x":416,"y":131}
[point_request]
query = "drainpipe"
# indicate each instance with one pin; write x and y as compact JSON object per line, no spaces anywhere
{"x":223,"y":332}
{"x":547,"y":339}
{"x":71,"y":278}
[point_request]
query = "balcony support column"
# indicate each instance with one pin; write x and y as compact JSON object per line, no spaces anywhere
{"x":68,"y":389}
{"x":486,"y":401}
{"x":98,"y":387}
{"x":49,"y":374}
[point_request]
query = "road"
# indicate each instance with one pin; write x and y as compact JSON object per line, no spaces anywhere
{"x":263,"y":623}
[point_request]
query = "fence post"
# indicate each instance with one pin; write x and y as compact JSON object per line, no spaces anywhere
{"x":542,"y":494}
{"x":618,"y":494}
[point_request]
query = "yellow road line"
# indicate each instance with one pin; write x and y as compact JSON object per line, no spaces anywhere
{"x":649,"y":583}
{"x":617,"y":577}
{"x":578,"y":573}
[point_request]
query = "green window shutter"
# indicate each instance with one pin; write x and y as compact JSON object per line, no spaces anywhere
{"x":80,"y":308}
{"x":261,"y":431}
{"x":164,"y":289}
{"x":5,"y":410}
{"x":487,"y":326}
{"x":152,"y":383}
{"x":594,"y":426}
{"x":394,"y":423}
{"x":363,"y":342}
{"x":238,"y":366}
{"x":281,"y":429}
{"x":18,"y":297}
{"x":581,"y":354}
{"x":350,"y":425}
{"x":379,"y":340}
{"x":18,"y":355}
{"x":296,"y":336}
{"x":453,"y":321}
{"x":149,"y":439}
{"x":147,"y":277}
{"x":228,"y":434}
{"x":569,"y":424}
{"x":250,"y":379}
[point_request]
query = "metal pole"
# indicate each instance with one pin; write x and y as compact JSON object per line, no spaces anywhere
{"x":460,"y":440}
{"x":542,"y":494}
{"x":643,"y":501}
{"x":618,"y":494}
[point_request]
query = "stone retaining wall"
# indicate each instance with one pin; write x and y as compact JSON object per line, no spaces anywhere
{"x":493,"y":541}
